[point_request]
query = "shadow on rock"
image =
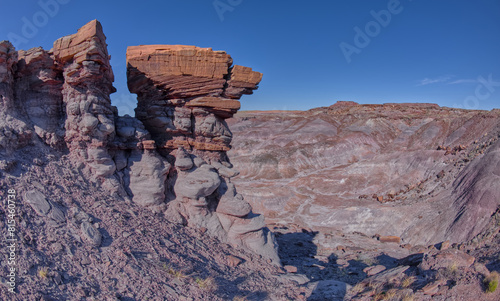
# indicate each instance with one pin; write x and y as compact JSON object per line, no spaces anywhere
{"x":299,"y":255}
{"x":224,"y":285}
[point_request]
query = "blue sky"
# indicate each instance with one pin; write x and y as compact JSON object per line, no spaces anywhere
{"x":311,"y":53}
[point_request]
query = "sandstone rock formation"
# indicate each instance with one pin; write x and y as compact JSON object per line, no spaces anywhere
{"x":185,"y":93}
{"x":171,"y":158}
{"x":101,"y":199}
{"x":64,"y":93}
{"x":88,"y":79}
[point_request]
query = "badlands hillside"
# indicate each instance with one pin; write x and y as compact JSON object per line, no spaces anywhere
{"x":423,"y":173}
{"x":355,"y":176}
{"x":188,"y":201}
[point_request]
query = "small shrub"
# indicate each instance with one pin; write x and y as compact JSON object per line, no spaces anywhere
{"x":491,"y":282}
{"x":451,"y":272}
{"x":378,"y":296}
{"x":207,"y":284}
{"x":407,"y":281}
{"x":171,"y":271}
{"x":366,"y":260}
{"x":178,"y":274}
{"x":492,"y":286}
{"x":407,"y":297}
{"x":452,"y":268}
{"x":390,"y":294}
{"x":358,"y":288}
{"x":375,"y":285}
{"x":43,"y":273}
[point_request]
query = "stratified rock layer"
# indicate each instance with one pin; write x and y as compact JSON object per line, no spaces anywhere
{"x":87,"y":84}
{"x":186,"y":92}
{"x":420,"y":172}
{"x":64,"y":95}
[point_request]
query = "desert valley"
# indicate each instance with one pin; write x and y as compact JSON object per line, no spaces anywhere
{"x":192,"y":200}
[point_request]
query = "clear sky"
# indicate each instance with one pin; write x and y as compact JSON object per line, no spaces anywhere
{"x":312,"y":53}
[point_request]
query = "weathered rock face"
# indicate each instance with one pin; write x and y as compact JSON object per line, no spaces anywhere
{"x":171,"y":158}
{"x":185,"y":93}
{"x":64,"y":93}
{"x":87,"y":84}
{"x":38,"y":85}
{"x":14,"y":132}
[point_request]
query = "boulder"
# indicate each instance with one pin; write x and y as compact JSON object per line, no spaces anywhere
{"x":37,"y":201}
{"x":182,"y":159}
{"x":43,"y":207}
{"x":90,"y":234}
{"x":290,"y":269}
{"x":370,"y":271}
{"x":393,"y":239}
{"x":232,"y":203}
{"x":200,"y":182}
{"x":147,"y":176}
{"x":233,"y":261}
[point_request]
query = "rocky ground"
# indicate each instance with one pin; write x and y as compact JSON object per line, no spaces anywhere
{"x":143,"y":256}
{"x":132,"y":253}
{"x":365,"y":268}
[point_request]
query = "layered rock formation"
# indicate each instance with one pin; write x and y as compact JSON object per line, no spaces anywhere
{"x":415,"y":171}
{"x":88,"y":79}
{"x":185,"y":93}
{"x":171,"y":158}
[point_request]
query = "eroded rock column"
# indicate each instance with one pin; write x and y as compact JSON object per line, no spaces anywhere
{"x":88,"y":79}
{"x":185,"y":93}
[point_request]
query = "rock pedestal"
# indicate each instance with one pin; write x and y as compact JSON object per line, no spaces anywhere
{"x":185,"y":93}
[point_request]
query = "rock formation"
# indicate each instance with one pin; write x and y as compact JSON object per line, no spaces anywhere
{"x":185,"y":93}
{"x":170,"y":158}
